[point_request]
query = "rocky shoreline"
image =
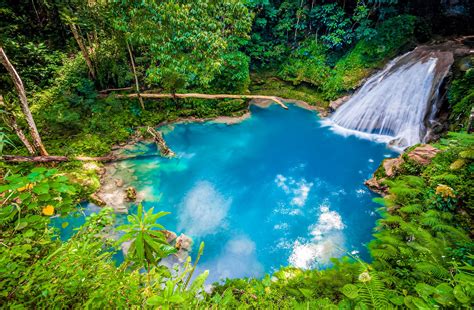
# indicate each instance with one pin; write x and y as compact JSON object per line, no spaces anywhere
{"x":389,"y":168}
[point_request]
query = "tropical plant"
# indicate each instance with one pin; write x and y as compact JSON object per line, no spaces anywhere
{"x":148,"y":242}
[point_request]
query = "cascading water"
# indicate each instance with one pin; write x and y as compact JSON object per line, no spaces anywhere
{"x":398,"y":104}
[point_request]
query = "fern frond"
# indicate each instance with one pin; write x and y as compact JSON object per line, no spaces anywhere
{"x":433,"y":270}
{"x":373,"y":292}
{"x":385,"y":252}
{"x":412,"y":209}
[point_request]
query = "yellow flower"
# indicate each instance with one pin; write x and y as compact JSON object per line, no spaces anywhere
{"x":26,"y":187}
{"x":365,"y":277}
{"x":445,"y":191}
{"x":48,"y":210}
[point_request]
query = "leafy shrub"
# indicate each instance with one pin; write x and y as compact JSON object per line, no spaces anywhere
{"x":234,"y":75}
{"x":392,"y":36}
{"x":306,"y":64}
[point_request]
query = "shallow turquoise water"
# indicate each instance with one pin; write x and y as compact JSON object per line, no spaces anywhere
{"x":275,"y":190}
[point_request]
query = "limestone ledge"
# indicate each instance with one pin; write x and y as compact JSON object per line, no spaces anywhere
{"x":390,"y":167}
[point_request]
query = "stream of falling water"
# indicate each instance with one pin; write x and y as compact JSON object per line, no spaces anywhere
{"x":398,"y":104}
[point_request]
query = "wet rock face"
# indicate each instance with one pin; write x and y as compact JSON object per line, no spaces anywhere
{"x":421,"y":155}
{"x":376,"y":185}
{"x":333,"y":105}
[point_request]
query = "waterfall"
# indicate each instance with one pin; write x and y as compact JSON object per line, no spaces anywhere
{"x":398,"y":104}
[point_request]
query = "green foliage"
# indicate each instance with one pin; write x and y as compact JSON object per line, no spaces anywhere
{"x":148,"y":245}
{"x":38,"y":270}
{"x":391,"y":37}
{"x":234,"y":75}
{"x":186,"y":41}
{"x":306,"y":64}
{"x":461,"y":99}
{"x":41,"y":192}
{"x":421,"y":251}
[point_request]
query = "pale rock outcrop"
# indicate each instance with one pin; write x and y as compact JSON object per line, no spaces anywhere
{"x":421,"y":155}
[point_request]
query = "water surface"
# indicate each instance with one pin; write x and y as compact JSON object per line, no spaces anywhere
{"x":275,"y":190}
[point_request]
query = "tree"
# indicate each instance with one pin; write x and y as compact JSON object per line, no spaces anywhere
{"x":148,"y":243}
{"x":10,"y":120}
{"x":23,"y":102}
{"x":184,"y":41}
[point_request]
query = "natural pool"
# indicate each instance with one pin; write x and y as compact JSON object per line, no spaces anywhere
{"x":274,"y":190}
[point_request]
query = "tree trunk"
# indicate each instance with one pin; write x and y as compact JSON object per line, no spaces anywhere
{"x":11,"y":122}
{"x":52,"y":158}
{"x":23,"y":102}
{"x":137,"y":86}
{"x":164,"y":149}
{"x":83,"y":49}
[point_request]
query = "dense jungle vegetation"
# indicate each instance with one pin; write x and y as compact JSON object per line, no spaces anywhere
{"x":85,"y":67}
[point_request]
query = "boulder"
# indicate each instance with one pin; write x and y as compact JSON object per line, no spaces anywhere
{"x":118,"y":182}
{"x":376,"y":185}
{"x":95,"y":199}
{"x":334,"y":105}
{"x":391,"y":165}
{"x":423,"y":154}
{"x":170,"y":236}
{"x":183,"y":244}
{"x":131,"y":193}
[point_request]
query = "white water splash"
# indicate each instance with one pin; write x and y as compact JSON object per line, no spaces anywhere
{"x":327,"y":241}
{"x":299,"y":190}
{"x":395,"y":105}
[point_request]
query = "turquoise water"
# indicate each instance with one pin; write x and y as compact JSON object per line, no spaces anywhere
{"x":275,"y":190}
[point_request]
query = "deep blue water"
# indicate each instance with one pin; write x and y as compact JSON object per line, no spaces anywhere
{"x":275,"y":190}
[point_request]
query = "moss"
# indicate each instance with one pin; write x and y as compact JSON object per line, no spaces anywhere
{"x":380,"y":172}
{"x":461,"y":99}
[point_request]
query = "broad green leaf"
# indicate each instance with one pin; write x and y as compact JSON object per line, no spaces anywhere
{"x":140,"y":247}
{"x":424,"y":290}
{"x":350,"y":290}
{"x":444,"y":294}
{"x":41,"y":188}
{"x":155,"y":301}
{"x":306,"y":292}
{"x":176,"y":299}
{"x":460,"y":294}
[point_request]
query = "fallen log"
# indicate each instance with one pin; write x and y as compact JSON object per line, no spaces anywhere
{"x":205,"y":96}
{"x":52,"y":158}
{"x":160,"y":143}
{"x":109,"y":90}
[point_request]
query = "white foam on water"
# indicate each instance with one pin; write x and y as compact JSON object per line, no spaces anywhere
{"x":203,"y":210}
{"x":281,"y":226}
{"x":361,"y":192}
{"x":327,"y":241}
{"x":297,"y":190}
